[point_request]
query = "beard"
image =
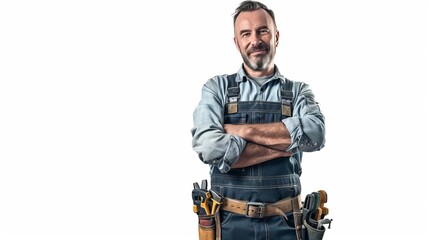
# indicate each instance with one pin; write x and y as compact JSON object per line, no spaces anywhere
{"x":258,"y":62}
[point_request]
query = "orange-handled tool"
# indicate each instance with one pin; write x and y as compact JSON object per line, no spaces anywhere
{"x":323,"y":200}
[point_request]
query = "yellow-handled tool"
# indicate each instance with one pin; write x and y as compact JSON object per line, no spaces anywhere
{"x":205,"y":202}
{"x":216,"y":201}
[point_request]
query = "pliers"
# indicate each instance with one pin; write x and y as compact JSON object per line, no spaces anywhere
{"x":201,"y":197}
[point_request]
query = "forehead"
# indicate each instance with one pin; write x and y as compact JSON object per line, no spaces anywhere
{"x":253,"y":19}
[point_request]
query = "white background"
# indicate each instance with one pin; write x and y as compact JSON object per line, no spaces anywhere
{"x":96,"y":102}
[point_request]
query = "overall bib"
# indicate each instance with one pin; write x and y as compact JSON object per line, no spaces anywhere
{"x":267,"y":182}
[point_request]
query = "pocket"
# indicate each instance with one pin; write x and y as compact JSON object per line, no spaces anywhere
{"x":237,"y":118}
{"x":290,"y":221}
{"x":207,"y":227}
{"x":312,"y":233}
{"x":225,"y":217}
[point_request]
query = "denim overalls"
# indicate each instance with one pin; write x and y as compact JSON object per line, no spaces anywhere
{"x":267,"y":182}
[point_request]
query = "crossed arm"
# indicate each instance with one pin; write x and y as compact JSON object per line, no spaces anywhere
{"x":264,"y":142}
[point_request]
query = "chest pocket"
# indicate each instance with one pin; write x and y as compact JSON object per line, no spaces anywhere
{"x":242,"y":112}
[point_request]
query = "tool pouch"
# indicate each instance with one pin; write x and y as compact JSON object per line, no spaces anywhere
{"x":207,"y":227}
{"x":313,"y":216}
{"x":206,"y":204}
{"x":311,"y":233}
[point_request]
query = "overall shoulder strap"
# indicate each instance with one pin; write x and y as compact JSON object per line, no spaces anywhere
{"x":233,"y":94}
{"x":233,"y":88}
{"x":287,"y":96}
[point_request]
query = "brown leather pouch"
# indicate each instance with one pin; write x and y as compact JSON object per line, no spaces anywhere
{"x":207,"y":227}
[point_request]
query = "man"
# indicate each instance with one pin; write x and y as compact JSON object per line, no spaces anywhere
{"x":252,"y":127}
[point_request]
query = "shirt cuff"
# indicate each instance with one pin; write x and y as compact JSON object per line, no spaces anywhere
{"x":300,"y":142}
{"x":232,"y":154}
{"x":293,"y":125}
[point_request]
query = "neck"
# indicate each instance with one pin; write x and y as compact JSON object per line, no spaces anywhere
{"x":257,"y":74}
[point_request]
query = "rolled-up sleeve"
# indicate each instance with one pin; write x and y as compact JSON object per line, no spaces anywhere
{"x":209,"y":140}
{"x":307,"y":124}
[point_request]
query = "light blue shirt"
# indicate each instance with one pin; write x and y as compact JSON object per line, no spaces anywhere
{"x":221,"y":150}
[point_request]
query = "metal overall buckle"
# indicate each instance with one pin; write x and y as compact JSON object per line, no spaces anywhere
{"x":260,"y":206}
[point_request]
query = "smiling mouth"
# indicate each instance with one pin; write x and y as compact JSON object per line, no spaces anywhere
{"x":258,"y":53}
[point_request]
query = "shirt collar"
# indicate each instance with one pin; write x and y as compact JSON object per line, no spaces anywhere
{"x":242,"y":76}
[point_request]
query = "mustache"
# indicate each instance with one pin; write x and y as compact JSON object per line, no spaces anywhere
{"x":259,"y":47}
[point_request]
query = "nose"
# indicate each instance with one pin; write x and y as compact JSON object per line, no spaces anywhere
{"x":255,"y":39}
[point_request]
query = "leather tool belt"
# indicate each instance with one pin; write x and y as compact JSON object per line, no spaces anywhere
{"x":261,"y":210}
{"x":309,"y":216}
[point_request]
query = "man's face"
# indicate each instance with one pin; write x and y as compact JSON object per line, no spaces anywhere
{"x":256,"y":38}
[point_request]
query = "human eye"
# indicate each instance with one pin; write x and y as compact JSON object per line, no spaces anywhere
{"x":245,"y":34}
{"x":264,"y":31}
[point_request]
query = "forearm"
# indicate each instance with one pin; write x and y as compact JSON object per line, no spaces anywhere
{"x":255,"y":154}
{"x":272,"y":135}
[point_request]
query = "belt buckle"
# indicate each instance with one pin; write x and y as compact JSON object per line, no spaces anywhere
{"x":259,"y":205}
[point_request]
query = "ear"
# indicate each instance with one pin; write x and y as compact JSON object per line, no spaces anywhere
{"x":236,"y":44}
{"x":277,"y":38}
